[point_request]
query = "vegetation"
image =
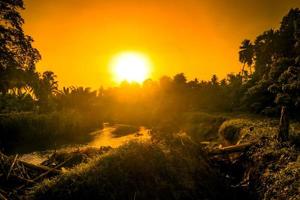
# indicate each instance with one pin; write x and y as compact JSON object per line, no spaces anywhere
{"x":25,"y":132}
{"x":272,"y":80}
{"x":141,"y":171}
{"x":269,"y":169}
{"x":177,"y":167}
{"x":175,"y":164}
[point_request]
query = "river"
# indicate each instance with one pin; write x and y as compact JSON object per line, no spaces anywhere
{"x":103,"y":137}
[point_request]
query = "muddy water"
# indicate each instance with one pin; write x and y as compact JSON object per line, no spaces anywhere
{"x":103,"y":137}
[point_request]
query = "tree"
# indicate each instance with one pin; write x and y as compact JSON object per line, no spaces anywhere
{"x":246,"y":54}
{"x":283,"y":132}
{"x":179,"y":79}
{"x":79,"y":98}
{"x":17,"y":56}
{"x":214,"y":80}
{"x":44,"y":89}
{"x":275,"y":56}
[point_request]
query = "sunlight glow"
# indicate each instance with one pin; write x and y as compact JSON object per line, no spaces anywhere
{"x":131,"y":67}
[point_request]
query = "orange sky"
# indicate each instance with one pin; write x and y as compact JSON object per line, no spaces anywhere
{"x":78,"y":38}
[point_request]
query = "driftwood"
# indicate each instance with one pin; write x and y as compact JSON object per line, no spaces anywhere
{"x":16,"y":175}
{"x":230,"y":149}
{"x":35,"y":167}
{"x":44,"y":174}
{"x":41,"y":168}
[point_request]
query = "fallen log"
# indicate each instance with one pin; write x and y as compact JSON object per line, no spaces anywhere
{"x":40,"y":167}
{"x":230,"y":149}
{"x":44,"y":174}
{"x":35,"y":167}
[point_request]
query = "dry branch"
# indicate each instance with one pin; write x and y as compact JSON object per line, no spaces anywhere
{"x":35,"y":167}
{"x":18,"y":175}
{"x":12,"y":166}
{"x":2,"y":197}
{"x":40,"y":168}
{"x":230,"y":149}
{"x":45,"y":174}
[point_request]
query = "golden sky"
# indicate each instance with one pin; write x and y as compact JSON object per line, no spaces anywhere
{"x":79,"y":38}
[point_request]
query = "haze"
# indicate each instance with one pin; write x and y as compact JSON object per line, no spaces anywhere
{"x":78,"y":39}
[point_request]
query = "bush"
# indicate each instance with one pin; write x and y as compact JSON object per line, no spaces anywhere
{"x":247,"y":129}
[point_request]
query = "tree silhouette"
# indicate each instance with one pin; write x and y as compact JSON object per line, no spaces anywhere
{"x":275,"y":82}
{"x":214,"y":80}
{"x":179,"y":79}
{"x":44,"y":89}
{"x":246,"y":54}
{"x":17,"y":56}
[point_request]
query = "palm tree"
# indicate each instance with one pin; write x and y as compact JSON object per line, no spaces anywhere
{"x":44,"y":88}
{"x":246,"y":54}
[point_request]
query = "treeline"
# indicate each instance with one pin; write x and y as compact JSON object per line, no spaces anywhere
{"x":275,"y":57}
{"x":268,"y":80}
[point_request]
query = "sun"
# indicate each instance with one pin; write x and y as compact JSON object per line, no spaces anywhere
{"x":131,"y":67}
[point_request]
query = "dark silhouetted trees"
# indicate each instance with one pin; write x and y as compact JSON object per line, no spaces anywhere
{"x":246,"y":54}
{"x":273,"y":80}
{"x":17,"y":56}
{"x":276,"y":79}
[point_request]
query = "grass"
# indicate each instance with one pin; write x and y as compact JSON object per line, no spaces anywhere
{"x":25,"y":132}
{"x":202,"y":126}
{"x":270,"y":168}
{"x":140,"y":171}
{"x":274,"y":170}
{"x":173,"y":165}
{"x":243,"y":129}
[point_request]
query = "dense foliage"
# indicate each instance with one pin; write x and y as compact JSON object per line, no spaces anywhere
{"x":275,"y":56}
{"x":272,"y":80}
{"x":17,"y":56}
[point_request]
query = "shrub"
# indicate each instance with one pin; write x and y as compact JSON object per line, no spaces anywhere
{"x":247,"y":128}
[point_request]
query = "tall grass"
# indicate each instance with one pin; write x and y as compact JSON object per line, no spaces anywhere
{"x":22,"y":132}
{"x":202,"y":126}
{"x":140,"y":171}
